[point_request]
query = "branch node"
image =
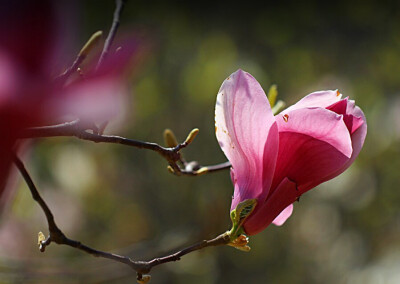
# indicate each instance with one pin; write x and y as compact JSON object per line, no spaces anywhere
{"x":44,"y":243}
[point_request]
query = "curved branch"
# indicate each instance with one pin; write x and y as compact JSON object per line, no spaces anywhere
{"x":141,"y":267}
{"x":111,"y":35}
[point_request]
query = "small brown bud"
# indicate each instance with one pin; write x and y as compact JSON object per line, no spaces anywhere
{"x":169,"y":138}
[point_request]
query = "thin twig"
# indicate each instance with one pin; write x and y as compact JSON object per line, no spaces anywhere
{"x":64,"y":129}
{"x":36,"y":196}
{"x":111,"y":35}
{"x":222,"y":239}
{"x":218,"y":167}
{"x":70,"y":70}
{"x":141,"y":267}
{"x":171,"y":154}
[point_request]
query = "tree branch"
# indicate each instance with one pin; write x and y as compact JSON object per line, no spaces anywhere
{"x":70,"y":70}
{"x":171,"y":154}
{"x":36,"y":196}
{"x":111,"y":35}
{"x":214,"y":168}
{"x":141,"y":267}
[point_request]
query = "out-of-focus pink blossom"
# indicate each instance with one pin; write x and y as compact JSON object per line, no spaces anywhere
{"x":29,"y":94}
{"x":275,"y":159}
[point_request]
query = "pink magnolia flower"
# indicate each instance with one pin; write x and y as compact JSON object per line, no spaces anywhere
{"x":29,"y":93}
{"x":275,"y":159}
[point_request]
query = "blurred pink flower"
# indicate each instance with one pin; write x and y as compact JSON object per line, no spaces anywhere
{"x":29,"y":93}
{"x":275,"y":159}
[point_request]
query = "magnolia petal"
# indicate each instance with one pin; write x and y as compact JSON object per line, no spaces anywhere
{"x":116,"y":64}
{"x":23,"y":36}
{"x":96,"y":100}
{"x":247,"y":133}
{"x":352,"y":122}
{"x":321,"y":99}
{"x":264,"y":214}
{"x":283,"y":216}
{"x":8,"y":79}
{"x":313,"y":144}
{"x":357,"y":137}
{"x":5,"y":167}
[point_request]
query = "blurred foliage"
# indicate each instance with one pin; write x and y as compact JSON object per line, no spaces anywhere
{"x":124,"y":200}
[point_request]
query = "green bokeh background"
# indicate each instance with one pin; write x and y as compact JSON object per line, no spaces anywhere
{"x":123,"y":199}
